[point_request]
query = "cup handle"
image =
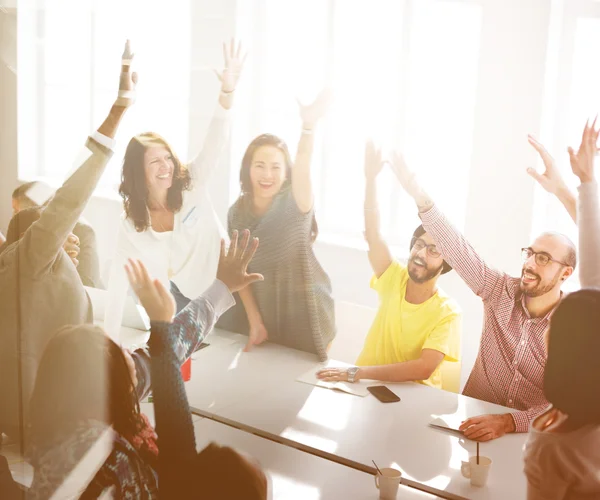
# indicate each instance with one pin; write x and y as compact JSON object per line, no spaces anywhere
{"x":465,"y":469}
{"x":376,"y":476}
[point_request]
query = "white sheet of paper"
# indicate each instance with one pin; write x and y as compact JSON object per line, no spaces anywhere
{"x":134,"y":315}
{"x":448,"y":422}
{"x":310,"y":377}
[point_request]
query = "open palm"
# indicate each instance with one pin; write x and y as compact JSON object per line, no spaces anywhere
{"x":310,"y":114}
{"x":235,"y":57}
{"x":373,"y":160}
{"x":582,"y":161}
{"x":550,"y":179}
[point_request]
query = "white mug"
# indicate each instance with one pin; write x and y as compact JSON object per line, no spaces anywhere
{"x":477,"y":473}
{"x":388,"y":482}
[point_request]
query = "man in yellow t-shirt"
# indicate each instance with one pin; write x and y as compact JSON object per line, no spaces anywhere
{"x":417,"y":326}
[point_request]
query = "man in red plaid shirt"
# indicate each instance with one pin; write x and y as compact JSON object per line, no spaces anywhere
{"x":509,"y":368}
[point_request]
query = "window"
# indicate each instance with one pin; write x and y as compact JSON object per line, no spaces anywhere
{"x":68,"y":77}
{"x":572,"y":83}
{"x":401,"y":71}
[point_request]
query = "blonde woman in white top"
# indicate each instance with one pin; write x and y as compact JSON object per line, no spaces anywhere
{"x":169,"y":221}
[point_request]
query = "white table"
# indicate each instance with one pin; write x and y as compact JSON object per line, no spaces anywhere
{"x":257,"y":392}
{"x":295,"y":475}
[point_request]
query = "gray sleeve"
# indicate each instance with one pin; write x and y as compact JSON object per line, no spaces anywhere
{"x":43,"y":241}
{"x":588,"y":215}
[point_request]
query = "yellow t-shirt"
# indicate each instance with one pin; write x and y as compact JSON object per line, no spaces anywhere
{"x":402,"y":330}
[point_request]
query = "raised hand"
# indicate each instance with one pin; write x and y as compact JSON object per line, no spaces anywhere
{"x":235,"y":57}
{"x":373,"y":160}
{"x":582,"y":161}
{"x":127,"y":80}
{"x":156,"y":299}
{"x":233,"y":263}
{"x":550,"y":180}
{"x":407,"y":178}
{"x":310,"y":114}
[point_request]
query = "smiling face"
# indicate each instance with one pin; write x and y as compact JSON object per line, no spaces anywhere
{"x":158,"y":167}
{"x":422,"y":266}
{"x":537,"y":280}
{"x":267,"y":171}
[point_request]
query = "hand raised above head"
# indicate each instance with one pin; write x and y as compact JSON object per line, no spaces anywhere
{"x":550,"y":179}
{"x":235,"y":57}
{"x":373,"y":160}
{"x":127,"y":80}
{"x":582,"y":161}
{"x":156,"y":299}
{"x":311,"y":113}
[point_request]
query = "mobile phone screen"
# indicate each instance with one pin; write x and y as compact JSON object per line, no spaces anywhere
{"x":382,"y":393}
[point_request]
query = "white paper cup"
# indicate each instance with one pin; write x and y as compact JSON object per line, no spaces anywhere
{"x":477,"y":473}
{"x":388,"y":482}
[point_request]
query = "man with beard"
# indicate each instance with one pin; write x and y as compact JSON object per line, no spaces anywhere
{"x":417,"y":326}
{"x":509,"y":369}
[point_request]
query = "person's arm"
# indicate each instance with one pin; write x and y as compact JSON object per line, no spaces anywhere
{"x":380,"y":256}
{"x":173,"y":417}
{"x":44,"y":240}
{"x":582,"y":164}
{"x":551,"y":180}
{"x":416,"y":369}
{"x":218,"y":130}
{"x":454,"y":247}
{"x":258,"y":332}
{"x":301,"y":179}
{"x":89,"y":265}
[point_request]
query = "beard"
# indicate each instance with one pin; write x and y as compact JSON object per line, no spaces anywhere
{"x":425,"y":273}
{"x":541,"y":287}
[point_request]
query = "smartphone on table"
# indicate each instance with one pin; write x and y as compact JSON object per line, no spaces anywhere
{"x":382,"y":393}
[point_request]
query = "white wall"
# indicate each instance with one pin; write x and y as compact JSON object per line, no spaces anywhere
{"x":500,"y":199}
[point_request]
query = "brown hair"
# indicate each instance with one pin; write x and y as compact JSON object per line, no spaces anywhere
{"x":20,"y":223}
{"x":20,"y":194}
{"x":82,"y":375}
{"x":246,"y":183}
{"x":133,"y":188}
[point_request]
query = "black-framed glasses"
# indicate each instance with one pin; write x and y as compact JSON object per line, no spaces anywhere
{"x":541,"y":258}
{"x":418,"y":244}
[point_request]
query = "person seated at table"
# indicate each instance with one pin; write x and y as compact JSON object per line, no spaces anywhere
{"x":169,"y":220}
{"x":562,"y":454}
{"x":41,"y":290}
{"x":86,"y":383}
{"x":294,"y":306}
{"x":81,"y":245}
{"x":184,"y":473}
{"x":509,"y":367}
{"x":417,"y":327}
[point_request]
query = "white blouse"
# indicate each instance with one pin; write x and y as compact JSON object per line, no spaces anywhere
{"x":189,"y":254}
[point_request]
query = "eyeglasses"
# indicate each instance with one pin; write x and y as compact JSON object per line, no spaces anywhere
{"x":541,"y":258}
{"x":418,"y":244}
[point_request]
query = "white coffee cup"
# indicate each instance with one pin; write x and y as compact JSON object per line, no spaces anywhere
{"x":476,"y":472}
{"x":387,"y":483}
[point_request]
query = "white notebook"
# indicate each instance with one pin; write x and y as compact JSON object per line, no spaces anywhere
{"x":134,"y":315}
{"x":310,"y":377}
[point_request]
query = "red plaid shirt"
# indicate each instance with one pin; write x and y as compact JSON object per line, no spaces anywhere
{"x":509,"y":369}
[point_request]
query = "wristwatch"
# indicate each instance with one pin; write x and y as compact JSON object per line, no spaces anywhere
{"x":352,"y":373}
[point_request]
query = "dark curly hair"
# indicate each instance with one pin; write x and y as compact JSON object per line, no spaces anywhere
{"x":246,"y":183}
{"x":133,"y":188}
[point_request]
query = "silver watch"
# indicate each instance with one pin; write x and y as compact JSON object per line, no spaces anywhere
{"x":352,"y":373}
